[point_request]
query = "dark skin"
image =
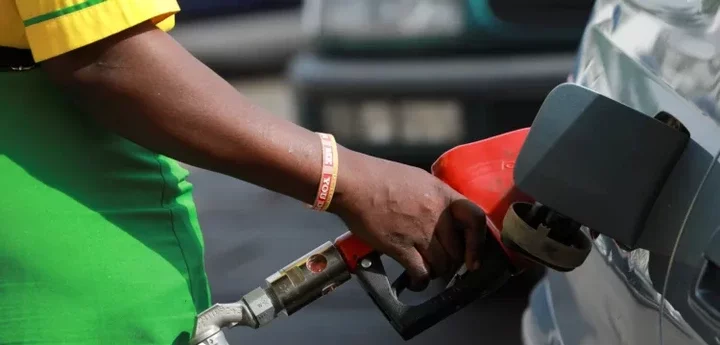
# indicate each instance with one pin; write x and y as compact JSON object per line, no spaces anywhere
{"x":144,"y":86}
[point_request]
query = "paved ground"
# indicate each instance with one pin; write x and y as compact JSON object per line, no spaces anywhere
{"x":251,"y":232}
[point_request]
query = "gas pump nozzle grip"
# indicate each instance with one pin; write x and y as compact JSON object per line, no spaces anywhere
{"x":410,"y":320}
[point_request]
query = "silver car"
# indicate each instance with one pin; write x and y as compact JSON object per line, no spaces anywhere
{"x":657,"y":57}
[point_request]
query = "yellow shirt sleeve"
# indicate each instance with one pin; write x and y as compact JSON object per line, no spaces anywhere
{"x":55,"y":27}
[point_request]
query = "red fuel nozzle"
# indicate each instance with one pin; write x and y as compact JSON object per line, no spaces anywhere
{"x":482,"y":171}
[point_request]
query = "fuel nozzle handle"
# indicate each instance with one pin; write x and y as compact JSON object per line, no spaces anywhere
{"x":411,"y":320}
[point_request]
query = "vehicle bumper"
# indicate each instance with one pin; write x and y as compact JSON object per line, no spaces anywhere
{"x":505,"y":77}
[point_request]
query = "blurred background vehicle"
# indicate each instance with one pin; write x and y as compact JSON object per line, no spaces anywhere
{"x":241,"y":37}
{"x":199,"y":9}
{"x":409,"y":79}
{"x":659,"y":57}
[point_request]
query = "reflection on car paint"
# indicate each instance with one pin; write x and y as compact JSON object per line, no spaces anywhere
{"x":685,"y":60}
{"x":632,"y":267}
{"x":544,"y":328}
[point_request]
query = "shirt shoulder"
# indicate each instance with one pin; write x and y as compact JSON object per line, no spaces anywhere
{"x":55,"y":27}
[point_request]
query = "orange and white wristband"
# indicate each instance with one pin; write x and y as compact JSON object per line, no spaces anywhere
{"x":328,"y":179}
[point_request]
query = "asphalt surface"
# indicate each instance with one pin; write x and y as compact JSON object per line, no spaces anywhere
{"x":251,"y":232}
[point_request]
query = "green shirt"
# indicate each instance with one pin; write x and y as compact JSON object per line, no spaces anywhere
{"x":99,"y":237}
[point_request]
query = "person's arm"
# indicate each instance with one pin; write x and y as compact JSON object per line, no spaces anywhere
{"x":148,"y":88}
{"x":143,"y":85}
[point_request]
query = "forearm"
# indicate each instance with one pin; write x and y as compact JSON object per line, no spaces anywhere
{"x":146,"y":87}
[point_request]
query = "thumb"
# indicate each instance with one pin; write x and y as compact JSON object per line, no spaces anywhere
{"x":471,"y":219}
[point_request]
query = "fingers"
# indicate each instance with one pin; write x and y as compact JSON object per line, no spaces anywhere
{"x":450,"y":239}
{"x":474,"y":240}
{"x":435,"y":255}
{"x":444,"y":252}
{"x":471,"y":219}
{"x":417,"y":269}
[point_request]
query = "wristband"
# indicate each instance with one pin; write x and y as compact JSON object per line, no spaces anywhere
{"x":328,"y":178}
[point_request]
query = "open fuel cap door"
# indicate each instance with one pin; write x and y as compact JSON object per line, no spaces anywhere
{"x":597,"y":161}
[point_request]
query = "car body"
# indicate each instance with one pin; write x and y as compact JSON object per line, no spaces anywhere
{"x":409,"y":79}
{"x":655,"y":56}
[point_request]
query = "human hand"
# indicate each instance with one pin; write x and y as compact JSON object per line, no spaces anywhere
{"x":410,"y":215}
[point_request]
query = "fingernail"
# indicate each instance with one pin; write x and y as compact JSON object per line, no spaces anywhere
{"x":476,"y":265}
